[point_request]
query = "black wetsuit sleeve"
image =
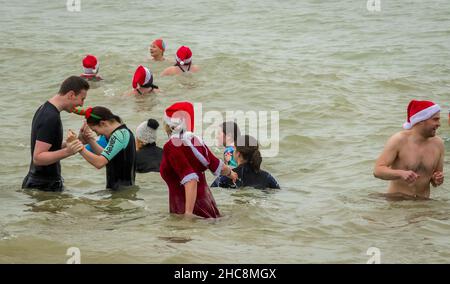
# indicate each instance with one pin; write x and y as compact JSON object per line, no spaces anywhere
{"x":215,"y":183}
{"x":222,"y":181}
{"x":271,"y":182}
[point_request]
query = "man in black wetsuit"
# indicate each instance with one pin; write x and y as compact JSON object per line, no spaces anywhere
{"x":47,"y":147}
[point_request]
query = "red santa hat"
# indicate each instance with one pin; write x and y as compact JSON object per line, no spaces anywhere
{"x":184,"y":55}
{"x":142,"y":77}
{"x":160,"y":44}
{"x":180,"y":116}
{"x":90,"y":64}
{"x":419,"y":111}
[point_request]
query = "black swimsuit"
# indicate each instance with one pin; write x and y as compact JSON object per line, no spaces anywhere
{"x":179,"y":66}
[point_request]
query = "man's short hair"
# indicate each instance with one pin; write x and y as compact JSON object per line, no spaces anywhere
{"x":73,"y":83}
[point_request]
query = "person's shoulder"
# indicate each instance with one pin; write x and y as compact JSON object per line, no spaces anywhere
{"x":169,"y":145}
{"x":438,"y":141}
{"x":122,"y":133}
{"x":171,"y":70}
{"x":48,"y":113}
{"x":400,"y":137}
{"x":271,"y":181}
{"x":195,"y":68}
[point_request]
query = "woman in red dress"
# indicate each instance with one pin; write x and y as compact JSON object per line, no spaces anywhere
{"x":185,"y":159}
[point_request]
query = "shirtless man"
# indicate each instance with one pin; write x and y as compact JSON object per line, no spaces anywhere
{"x":413,"y":159}
{"x":183,"y":63}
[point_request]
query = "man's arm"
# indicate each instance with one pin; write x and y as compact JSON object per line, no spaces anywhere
{"x":43,"y":157}
{"x":190,"y":189}
{"x":438,"y":176}
{"x":383,"y":164}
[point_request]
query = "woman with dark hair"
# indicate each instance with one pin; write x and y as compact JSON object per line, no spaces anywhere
{"x":148,"y":155}
{"x":119,"y":155}
{"x":249,"y":170}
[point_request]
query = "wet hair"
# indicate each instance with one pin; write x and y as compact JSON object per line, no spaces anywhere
{"x":100,"y":113}
{"x":152,"y":123}
{"x":230,"y":128}
{"x":248,"y":147}
{"x":73,"y":83}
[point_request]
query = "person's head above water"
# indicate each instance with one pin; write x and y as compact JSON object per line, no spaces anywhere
{"x":179,"y":118}
{"x":143,"y":80}
{"x":101,"y":120}
{"x":424,"y":115}
{"x":183,"y":63}
{"x":146,"y":131}
{"x":228,"y":133}
{"x":247,"y":151}
{"x":72,"y":92}
{"x":183,"y":56}
{"x":157,"y":49}
{"x":90,"y":65}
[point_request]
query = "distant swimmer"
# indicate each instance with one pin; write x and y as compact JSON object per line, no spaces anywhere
{"x":157,"y":49}
{"x":143,"y":82}
{"x":183,"y":63}
{"x":47,"y":145}
{"x":413,"y":159}
{"x":91,"y":68}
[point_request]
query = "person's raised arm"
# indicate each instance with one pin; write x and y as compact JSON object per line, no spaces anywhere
{"x":438,"y":175}
{"x":87,"y":136}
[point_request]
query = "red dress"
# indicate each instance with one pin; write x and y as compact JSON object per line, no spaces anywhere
{"x":186,"y":159}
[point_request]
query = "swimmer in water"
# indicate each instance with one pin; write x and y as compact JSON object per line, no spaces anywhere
{"x":413,"y":159}
{"x":91,"y":68}
{"x":157,"y":49}
{"x":248,"y":168}
{"x":119,"y":155}
{"x":143,"y":82}
{"x":47,"y":145}
{"x":183,"y":63}
{"x":185,"y":159}
{"x":148,"y":155}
